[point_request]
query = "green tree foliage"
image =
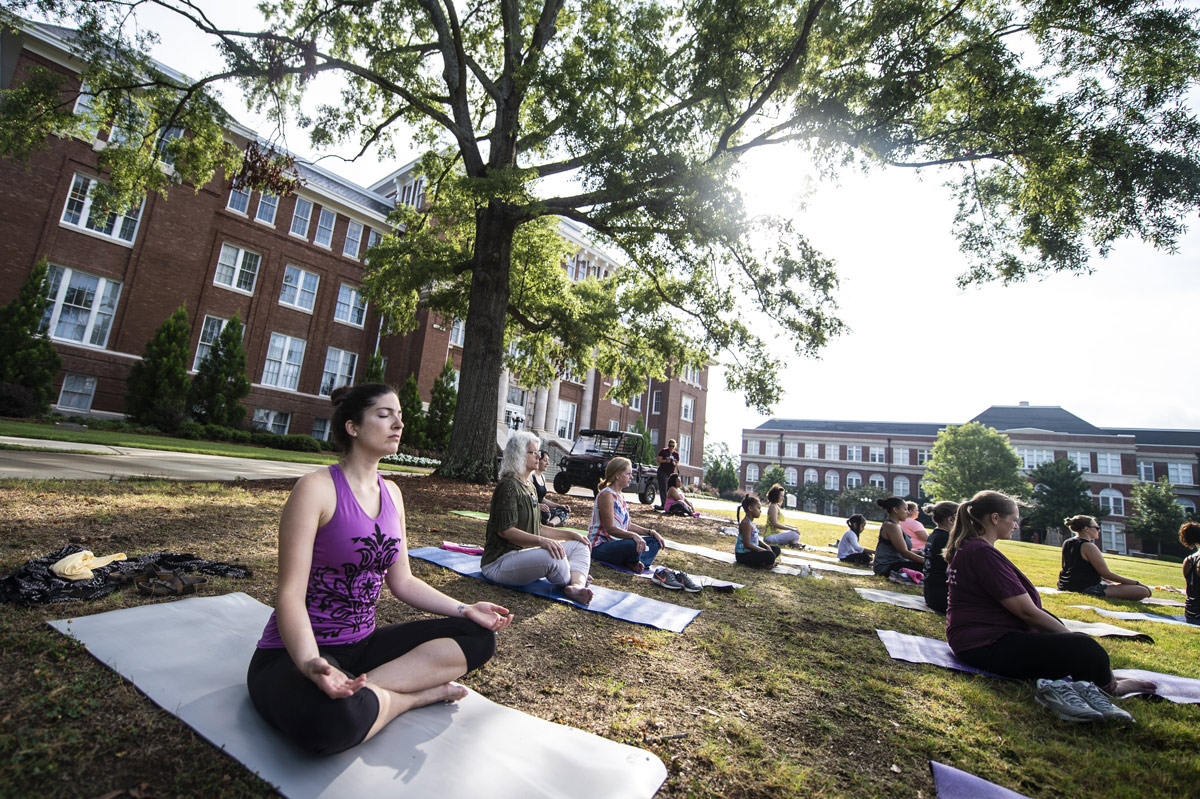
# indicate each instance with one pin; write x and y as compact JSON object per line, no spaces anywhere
{"x":374,"y":371}
{"x":220,"y":383}
{"x":1060,"y":127}
{"x":969,"y":458}
{"x":770,"y":477}
{"x":442,"y":400}
{"x":413,"y":414}
{"x":720,"y":471}
{"x":158,"y":387}
{"x":1059,"y":492}
{"x":816,"y":494}
{"x":861,"y":499}
{"x":1156,"y":515}
{"x":27,"y":358}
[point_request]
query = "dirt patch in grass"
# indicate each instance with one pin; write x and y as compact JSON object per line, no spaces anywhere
{"x":777,"y":690}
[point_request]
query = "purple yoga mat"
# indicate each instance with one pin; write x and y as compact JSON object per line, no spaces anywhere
{"x":951,"y":783}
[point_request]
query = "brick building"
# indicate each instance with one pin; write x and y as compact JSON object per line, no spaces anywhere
{"x":842,"y":454}
{"x":290,"y":267}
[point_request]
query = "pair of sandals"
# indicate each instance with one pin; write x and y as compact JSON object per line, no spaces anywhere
{"x":153,"y":582}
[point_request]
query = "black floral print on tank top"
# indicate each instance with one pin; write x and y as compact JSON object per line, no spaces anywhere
{"x":347,"y":595}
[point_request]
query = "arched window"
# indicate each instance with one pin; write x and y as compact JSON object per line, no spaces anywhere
{"x":832,"y":480}
{"x":1188,"y":506}
{"x":877,"y":481}
{"x":1112,"y":501}
{"x":789,"y":476}
{"x":900,"y":486}
{"x":853,"y":480}
{"x":752,"y":473}
{"x":810,"y":476}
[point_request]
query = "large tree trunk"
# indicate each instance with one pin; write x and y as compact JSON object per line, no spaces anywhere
{"x":471,"y":455}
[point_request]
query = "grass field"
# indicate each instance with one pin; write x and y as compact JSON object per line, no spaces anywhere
{"x":778,"y":690}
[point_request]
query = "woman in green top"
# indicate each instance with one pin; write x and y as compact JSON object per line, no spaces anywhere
{"x":517,"y":550}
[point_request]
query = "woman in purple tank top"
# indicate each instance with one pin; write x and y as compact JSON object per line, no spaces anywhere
{"x":323,"y":674}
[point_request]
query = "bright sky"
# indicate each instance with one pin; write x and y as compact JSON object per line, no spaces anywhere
{"x":1116,"y":348}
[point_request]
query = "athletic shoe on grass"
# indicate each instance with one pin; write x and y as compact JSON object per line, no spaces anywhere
{"x":901,"y":578}
{"x":1098,"y":701}
{"x":1064,"y":701}
{"x":689,"y":585}
{"x":666,"y":578}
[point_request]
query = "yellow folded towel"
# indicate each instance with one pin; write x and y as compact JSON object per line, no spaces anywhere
{"x":79,"y":566}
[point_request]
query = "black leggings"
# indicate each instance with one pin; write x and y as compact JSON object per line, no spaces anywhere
{"x":1029,"y":656}
{"x":294,"y":705}
{"x":757,"y":559}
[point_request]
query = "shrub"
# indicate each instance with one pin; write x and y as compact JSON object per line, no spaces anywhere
{"x":16,"y":400}
{"x":298,"y":443}
{"x":193,"y":431}
{"x":27,"y":358}
{"x":158,"y":384}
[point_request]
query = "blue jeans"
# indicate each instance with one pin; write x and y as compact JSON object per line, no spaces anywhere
{"x":622,"y":551}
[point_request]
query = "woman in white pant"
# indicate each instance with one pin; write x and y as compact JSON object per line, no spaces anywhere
{"x":518,"y":550}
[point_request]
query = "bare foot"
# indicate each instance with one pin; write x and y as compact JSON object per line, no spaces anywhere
{"x":446,"y":692}
{"x":578,"y":593}
{"x":1121,"y":687}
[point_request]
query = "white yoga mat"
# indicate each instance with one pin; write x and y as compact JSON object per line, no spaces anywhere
{"x":727,"y":557}
{"x":190,"y":658}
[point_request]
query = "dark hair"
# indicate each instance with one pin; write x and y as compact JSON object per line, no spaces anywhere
{"x":890,"y":504}
{"x":942,"y":511}
{"x":968,"y":523}
{"x":856,"y":519}
{"x":350,"y":405}
{"x":745,"y":506}
{"x":775,"y":493}
{"x":1189,"y":534}
{"x":673,"y":481}
{"x":1077,"y":524}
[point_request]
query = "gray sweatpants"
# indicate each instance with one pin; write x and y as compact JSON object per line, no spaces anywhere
{"x":526,"y":565}
{"x":783,"y":538}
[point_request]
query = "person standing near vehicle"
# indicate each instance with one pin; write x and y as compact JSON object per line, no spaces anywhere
{"x":668,"y":463}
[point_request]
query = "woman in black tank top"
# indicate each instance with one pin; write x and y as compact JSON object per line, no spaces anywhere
{"x":1084,"y":569}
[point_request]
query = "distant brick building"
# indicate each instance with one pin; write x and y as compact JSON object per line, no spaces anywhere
{"x":842,"y":454}
{"x":290,"y":267}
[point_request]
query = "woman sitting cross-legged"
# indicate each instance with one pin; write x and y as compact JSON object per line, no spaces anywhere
{"x":323,"y":674}
{"x":1084,"y":569}
{"x":517,"y":549}
{"x":995,"y":619}
{"x":675,"y":503}
{"x":553,"y":514}
{"x":778,"y":533}
{"x":613,"y":537}
{"x":750,"y":549}
{"x":894,"y":550}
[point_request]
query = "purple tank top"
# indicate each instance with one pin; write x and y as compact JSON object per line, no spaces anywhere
{"x":351,"y":554}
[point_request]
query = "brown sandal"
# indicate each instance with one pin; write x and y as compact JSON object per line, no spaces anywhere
{"x":175,"y":585}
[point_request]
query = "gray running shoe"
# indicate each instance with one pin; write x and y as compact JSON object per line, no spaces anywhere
{"x":1098,"y":701}
{"x":1064,"y":701}
{"x":689,"y":585}
{"x":666,"y":578}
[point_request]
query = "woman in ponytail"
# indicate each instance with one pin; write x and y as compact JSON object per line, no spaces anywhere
{"x":1084,"y":569}
{"x":934,"y":585}
{"x":751,"y":549}
{"x":894,"y":550}
{"x":995,"y":620}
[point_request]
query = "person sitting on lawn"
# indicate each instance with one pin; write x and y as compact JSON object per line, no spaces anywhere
{"x":750,"y":549}
{"x":675,"y":503}
{"x":894,"y":550}
{"x":516,"y":549}
{"x":778,"y":533}
{"x":323,"y":674}
{"x":916,"y":531}
{"x":933,"y":586}
{"x":552,"y":513}
{"x":1189,"y":536}
{"x":995,"y":619}
{"x":614,"y":538}
{"x":849,"y":550}
{"x":1084,"y":569}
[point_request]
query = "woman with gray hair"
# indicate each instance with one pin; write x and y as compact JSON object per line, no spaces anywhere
{"x":517,"y":550}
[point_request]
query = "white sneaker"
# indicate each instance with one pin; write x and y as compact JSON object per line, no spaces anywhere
{"x":1064,"y":701}
{"x":1098,"y":701}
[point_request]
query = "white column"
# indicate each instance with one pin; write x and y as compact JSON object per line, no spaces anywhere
{"x":589,"y":397}
{"x":502,"y":397}
{"x":552,"y":409}
{"x":539,"y":411}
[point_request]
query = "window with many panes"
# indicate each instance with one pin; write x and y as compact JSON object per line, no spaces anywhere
{"x":687,"y":408}
{"x":163,"y":148}
{"x":772,"y":448}
{"x":239,"y":199}
{"x":77,"y":392}
{"x":877,"y":481}
{"x":752,"y":446}
{"x":320,"y":430}
{"x":853,"y":480}
{"x":1180,"y":474}
{"x":301,"y":217}
{"x":81,"y":306}
{"x":272,"y":421}
{"x":1081,"y":459}
{"x":900,"y":486}
{"x":351,"y":306}
{"x":685,"y":449}
{"x":268,"y":204}
{"x":810,"y":476}
{"x":80,"y":213}
{"x":924,"y":456}
{"x":1112,"y":537}
{"x":833,"y":452}
{"x":1108,"y":463}
{"x":1033,"y":458}
{"x":457,"y":333}
{"x":210,"y":331}
{"x":325,"y":222}
{"x":791,"y":449}
{"x":1112,"y":501}
{"x":752,"y":473}
{"x":790,"y":475}
{"x":636,"y":402}
{"x":614,"y":425}
{"x":656,"y":405}
{"x":285,"y":355}
{"x":832,"y":480}
{"x":339,"y":370}
{"x":564,"y":425}
{"x":299,"y":288}
{"x":878,"y":455}
{"x":1145,"y":470}
{"x":353,"y":239}
{"x":811,"y":448}
{"x":373,"y":238}
{"x":237,"y":269}
{"x":853,"y":452}
{"x":900,"y":455}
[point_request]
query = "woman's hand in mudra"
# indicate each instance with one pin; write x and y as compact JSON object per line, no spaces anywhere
{"x":489,"y":616}
{"x":332,"y":681}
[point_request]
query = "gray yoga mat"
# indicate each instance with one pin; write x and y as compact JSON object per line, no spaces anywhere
{"x":1132,"y":616}
{"x":786,"y":560}
{"x":190,"y":658}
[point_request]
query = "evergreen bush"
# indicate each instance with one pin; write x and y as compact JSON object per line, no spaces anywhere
{"x":27,"y":358}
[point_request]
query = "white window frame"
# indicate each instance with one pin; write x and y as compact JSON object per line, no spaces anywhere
{"x":233,"y":259}
{"x":354,"y":231}
{"x":752,"y":446}
{"x":298,"y":280}
{"x":811,"y":476}
{"x":239,"y":200}
{"x":1112,"y":537}
{"x":877,"y":455}
{"x":685,"y":449}
{"x":877,"y":481}
{"x":790,"y":476}
{"x":338,"y":370}
{"x":901,"y":480}
{"x":269,"y":201}
{"x":320,"y":429}
{"x":272,"y":421}
{"x":1081,"y":458}
{"x":833,"y":480}
{"x":81,"y":386}
{"x":654,"y":437}
{"x":564,"y":424}
{"x":210,"y":331}
{"x":791,"y":449}
{"x":458,"y":331}
{"x":771,"y":448}
{"x":325,"y":224}
{"x":350,"y":303}
{"x":924,"y":456}
{"x":854,"y":452}
{"x":854,"y":480}
{"x":833,"y":452}
{"x":1189,"y":507}
{"x":900,"y":456}
{"x":687,"y":408}
{"x":120,"y":228}
{"x":1108,"y":463}
{"x":656,"y":405}
{"x":614,"y":425}
{"x":811,"y":448}
{"x":1032,"y":458}
{"x":283,"y":370}
{"x":1112,"y":501}
{"x":636,"y":402}
{"x":1180,"y":474}
{"x":160,"y":145}
{"x":1146,"y":471}
{"x":751,"y":473}
{"x":101,"y":308}
{"x":306,"y":217}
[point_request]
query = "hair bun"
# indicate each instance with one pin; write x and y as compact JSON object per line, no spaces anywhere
{"x":338,"y":395}
{"x":881,"y":503}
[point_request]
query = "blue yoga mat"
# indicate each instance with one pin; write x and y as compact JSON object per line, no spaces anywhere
{"x":952,"y":783}
{"x":618,"y":604}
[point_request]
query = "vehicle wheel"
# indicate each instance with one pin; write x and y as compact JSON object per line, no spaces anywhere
{"x":649,"y":492}
{"x":562,"y":483}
